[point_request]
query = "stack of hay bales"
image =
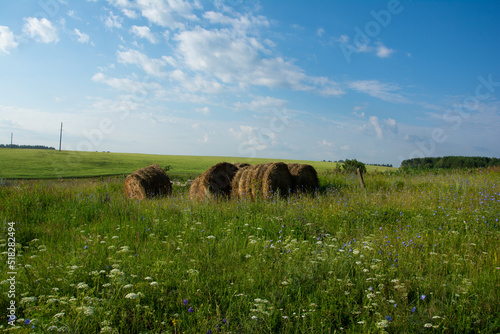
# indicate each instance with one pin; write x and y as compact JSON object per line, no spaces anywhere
{"x":148,"y":182}
{"x":241,"y":164}
{"x":213,"y":183}
{"x":262,"y":180}
{"x":304,"y":177}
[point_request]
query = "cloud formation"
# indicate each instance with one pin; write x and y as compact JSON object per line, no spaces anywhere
{"x":42,"y":30}
{"x":7,"y":41}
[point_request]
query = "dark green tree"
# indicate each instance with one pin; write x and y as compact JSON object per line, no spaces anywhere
{"x":351,"y":166}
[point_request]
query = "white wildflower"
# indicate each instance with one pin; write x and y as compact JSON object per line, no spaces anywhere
{"x":154,"y":283}
{"x":82,"y":285}
{"x":384,"y":323}
{"x":132,"y":296}
{"x":127,"y":286}
{"x":428,"y":325}
{"x":59,"y":315}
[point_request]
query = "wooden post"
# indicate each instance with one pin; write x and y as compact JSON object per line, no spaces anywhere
{"x":360,"y":176}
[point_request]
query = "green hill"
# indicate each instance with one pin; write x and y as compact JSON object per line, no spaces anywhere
{"x":39,"y":164}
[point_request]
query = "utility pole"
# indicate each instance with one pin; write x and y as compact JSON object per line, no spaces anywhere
{"x":11,"y":136}
{"x":60,"y":139}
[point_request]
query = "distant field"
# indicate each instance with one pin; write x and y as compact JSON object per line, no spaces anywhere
{"x":44,"y":164}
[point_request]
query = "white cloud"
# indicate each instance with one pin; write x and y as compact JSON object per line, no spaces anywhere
{"x":7,"y":41}
{"x":320,"y":32}
{"x":144,"y":32}
{"x":204,"y":110}
{"x":383,"y":51}
{"x":82,"y":37}
{"x":379,"y":90}
{"x":237,"y":59}
{"x":113,"y":21}
{"x":326,"y":143}
{"x":151,"y":66}
{"x":170,"y":13}
{"x":261,"y":103}
{"x":125,"y":85}
{"x":375,"y":123}
{"x":42,"y":30}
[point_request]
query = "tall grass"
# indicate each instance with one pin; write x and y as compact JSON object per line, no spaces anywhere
{"x":410,"y":253}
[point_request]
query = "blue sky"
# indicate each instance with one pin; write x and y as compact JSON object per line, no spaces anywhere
{"x":377,"y":81}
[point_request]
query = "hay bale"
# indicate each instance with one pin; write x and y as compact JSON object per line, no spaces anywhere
{"x":148,"y":182}
{"x":241,"y":165}
{"x":276,"y":180}
{"x":304,"y":177}
{"x":214,"y":182}
{"x":235,"y":183}
{"x":262,"y":180}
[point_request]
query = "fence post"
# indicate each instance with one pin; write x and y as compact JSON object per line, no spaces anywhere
{"x":360,"y":176}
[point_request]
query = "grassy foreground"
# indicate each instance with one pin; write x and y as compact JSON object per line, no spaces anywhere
{"x":41,"y":164}
{"x":410,"y":254}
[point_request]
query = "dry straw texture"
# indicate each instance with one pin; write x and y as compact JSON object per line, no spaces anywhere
{"x":304,"y":177}
{"x":213,"y":183}
{"x":241,"y":164}
{"x":262,"y":180}
{"x":148,"y":182}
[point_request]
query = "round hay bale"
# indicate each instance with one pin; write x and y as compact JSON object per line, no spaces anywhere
{"x":254,"y":186}
{"x":304,"y":177}
{"x":214,"y":182}
{"x":262,"y":180}
{"x":276,"y":180}
{"x":235,"y":183}
{"x":148,"y":182}
{"x":241,"y":165}
{"x":245,"y":178}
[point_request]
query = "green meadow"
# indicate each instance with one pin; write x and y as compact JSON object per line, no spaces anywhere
{"x":43,"y":164}
{"x":410,"y":253}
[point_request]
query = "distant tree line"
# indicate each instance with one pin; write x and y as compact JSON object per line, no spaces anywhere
{"x":452,"y":162}
{"x":343,"y":161}
{"x":33,"y":147}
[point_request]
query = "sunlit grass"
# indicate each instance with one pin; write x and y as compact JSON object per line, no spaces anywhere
{"x":407,"y":254}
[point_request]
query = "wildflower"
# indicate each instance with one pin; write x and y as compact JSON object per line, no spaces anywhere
{"x":428,"y":325}
{"x":413,"y":309}
{"x":59,"y":315}
{"x":154,"y":283}
{"x":190,"y":310}
{"x":127,"y":286}
{"x":422,"y":297}
{"x":185,"y":301}
{"x":383,"y":324}
{"x":131,"y":296}
{"x":27,"y":321}
{"x":210,"y":237}
{"x":388,"y":318}
{"x":148,"y":278}
{"x":361,"y":322}
{"x":82,"y":285}
{"x":254,"y":317}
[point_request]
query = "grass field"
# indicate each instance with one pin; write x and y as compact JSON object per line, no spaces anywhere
{"x":37,"y":164}
{"x":409,"y":254}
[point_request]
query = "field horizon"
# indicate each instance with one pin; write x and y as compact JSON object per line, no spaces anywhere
{"x":50,"y":164}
